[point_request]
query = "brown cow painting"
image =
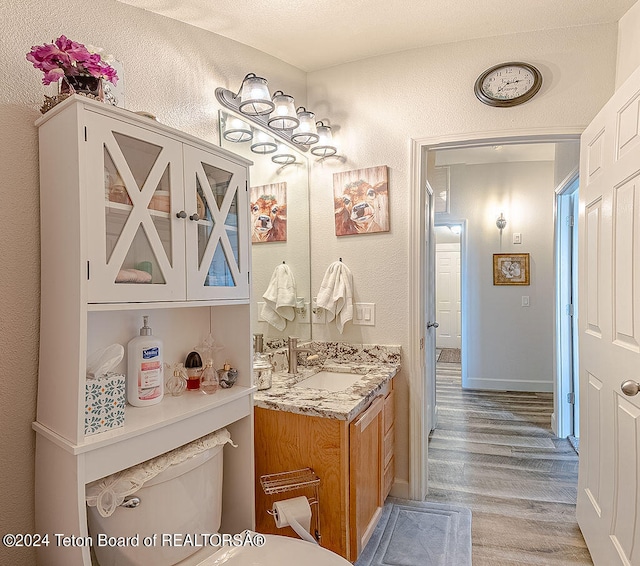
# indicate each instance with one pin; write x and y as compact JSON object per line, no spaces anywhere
{"x":269,"y":213}
{"x":361,"y":201}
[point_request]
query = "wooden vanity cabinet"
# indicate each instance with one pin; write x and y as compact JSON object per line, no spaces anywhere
{"x":354,"y":461}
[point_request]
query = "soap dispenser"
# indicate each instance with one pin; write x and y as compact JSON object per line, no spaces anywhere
{"x":262,"y":366}
{"x":145,"y":381}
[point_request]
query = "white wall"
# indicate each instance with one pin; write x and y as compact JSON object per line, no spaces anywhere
{"x":171,"y":70}
{"x":380,"y":104}
{"x":509,"y":347}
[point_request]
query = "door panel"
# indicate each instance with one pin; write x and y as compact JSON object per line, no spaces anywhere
{"x":135,"y":241}
{"x":215,"y":190}
{"x":609,"y":477}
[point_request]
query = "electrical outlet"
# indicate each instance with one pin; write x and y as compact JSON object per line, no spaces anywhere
{"x":306,"y":318}
{"x":318,"y":315}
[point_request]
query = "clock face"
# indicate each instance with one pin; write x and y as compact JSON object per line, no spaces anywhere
{"x":508,"y":84}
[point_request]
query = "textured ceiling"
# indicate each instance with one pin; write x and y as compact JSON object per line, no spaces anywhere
{"x":312,"y":35}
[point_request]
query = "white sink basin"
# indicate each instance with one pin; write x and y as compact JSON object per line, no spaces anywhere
{"x":329,"y":381}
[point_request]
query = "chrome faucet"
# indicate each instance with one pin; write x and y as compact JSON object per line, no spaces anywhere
{"x":292,"y":354}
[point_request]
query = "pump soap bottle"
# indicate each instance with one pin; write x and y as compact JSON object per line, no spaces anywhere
{"x":145,"y":381}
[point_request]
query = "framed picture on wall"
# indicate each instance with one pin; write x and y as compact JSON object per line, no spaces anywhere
{"x":361,"y":201}
{"x":269,"y":213}
{"x":511,"y":269}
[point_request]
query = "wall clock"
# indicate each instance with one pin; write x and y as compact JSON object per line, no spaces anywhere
{"x":508,"y":84}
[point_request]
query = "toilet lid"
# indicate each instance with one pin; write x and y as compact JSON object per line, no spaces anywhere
{"x":277,"y":550}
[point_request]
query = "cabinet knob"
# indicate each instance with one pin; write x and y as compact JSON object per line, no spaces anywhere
{"x":181,"y":214}
{"x":194,"y":217}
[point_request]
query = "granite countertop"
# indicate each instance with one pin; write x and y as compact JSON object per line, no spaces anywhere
{"x":343,"y":405}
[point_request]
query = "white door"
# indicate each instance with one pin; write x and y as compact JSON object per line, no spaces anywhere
{"x":609,"y":326}
{"x":430,"y":314}
{"x":133,"y":185}
{"x":448,"y":301}
{"x":216,"y":200}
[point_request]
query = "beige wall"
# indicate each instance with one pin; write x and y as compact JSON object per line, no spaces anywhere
{"x":380,"y":104}
{"x":171,"y":70}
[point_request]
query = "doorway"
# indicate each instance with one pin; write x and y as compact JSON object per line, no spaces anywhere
{"x":482,"y":218}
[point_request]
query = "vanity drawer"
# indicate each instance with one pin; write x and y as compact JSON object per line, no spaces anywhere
{"x":389,"y":441}
{"x":389,"y":411}
{"x":389,"y":474}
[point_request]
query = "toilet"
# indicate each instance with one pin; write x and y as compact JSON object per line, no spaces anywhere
{"x":186,"y":497}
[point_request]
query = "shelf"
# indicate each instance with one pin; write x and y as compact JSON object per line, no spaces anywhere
{"x":287,"y":481}
{"x":124,"y":209}
{"x":140,"y":420}
{"x":103,"y":307}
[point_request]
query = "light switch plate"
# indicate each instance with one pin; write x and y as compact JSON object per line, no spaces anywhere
{"x":364,"y":314}
{"x":525,"y":300}
{"x":517,"y":238}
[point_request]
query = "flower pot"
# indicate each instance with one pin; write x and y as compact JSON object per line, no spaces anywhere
{"x":82,"y":84}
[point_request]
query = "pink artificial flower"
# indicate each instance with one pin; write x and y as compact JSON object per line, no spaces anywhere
{"x":67,"y":57}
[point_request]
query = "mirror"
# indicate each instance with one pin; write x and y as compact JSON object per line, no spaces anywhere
{"x":279,"y":196}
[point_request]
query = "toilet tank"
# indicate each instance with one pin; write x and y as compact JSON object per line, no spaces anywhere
{"x":176,"y":506}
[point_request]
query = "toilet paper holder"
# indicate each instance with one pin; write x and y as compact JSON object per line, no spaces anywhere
{"x":282,"y":482}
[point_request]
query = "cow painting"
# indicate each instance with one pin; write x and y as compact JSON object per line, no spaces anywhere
{"x":361,"y":201}
{"x":269,"y":213}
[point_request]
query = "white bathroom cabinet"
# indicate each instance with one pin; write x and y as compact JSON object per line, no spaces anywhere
{"x":119,"y":198}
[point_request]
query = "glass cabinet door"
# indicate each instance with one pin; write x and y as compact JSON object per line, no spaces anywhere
{"x":217,"y":235}
{"x":136,"y":235}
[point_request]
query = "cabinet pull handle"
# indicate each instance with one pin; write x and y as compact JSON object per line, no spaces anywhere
{"x":194,"y":217}
{"x":181,"y":214}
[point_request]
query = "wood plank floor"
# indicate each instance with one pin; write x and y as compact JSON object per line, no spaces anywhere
{"x":494,"y":453}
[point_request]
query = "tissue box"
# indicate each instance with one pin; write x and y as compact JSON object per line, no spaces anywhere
{"x":105,"y":399}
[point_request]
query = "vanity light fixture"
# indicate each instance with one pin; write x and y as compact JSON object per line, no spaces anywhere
{"x":325,"y":147}
{"x":501,"y":222}
{"x":236,"y":130}
{"x":254,"y":96}
{"x":277,"y":116}
{"x":306,"y":133}
{"x":263,"y":143}
{"x":284,"y":115}
{"x":283,"y":156}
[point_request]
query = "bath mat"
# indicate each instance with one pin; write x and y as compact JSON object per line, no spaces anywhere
{"x":450,"y":356}
{"x":416,"y":533}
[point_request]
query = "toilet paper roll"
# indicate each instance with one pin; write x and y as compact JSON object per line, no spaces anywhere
{"x":294,"y":513}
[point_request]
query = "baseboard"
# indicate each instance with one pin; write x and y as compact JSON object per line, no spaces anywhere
{"x":400,"y":489}
{"x":508,"y":385}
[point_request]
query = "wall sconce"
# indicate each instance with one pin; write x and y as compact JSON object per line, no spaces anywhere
{"x":501,"y":222}
{"x":277,"y":115}
{"x":284,"y":115}
{"x":283,"y":157}
{"x":325,"y":147}
{"x":263,"y":143}
{"x":306,"y":133}
{"x":254,"y":96}
{"x":235,"y":130}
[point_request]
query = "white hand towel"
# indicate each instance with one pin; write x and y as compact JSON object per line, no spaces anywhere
{"x":280,"y":298}
{"x":336,"y":294}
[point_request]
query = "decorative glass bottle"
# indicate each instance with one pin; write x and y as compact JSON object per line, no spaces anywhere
{"x":209,"y":380}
